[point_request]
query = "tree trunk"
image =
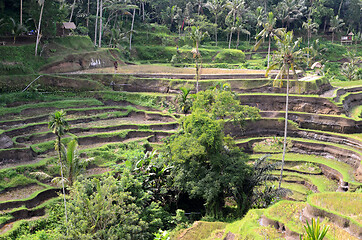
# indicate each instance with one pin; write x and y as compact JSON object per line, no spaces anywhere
{"x":197,"y":67}
{"x":308,"y":48}
{"x":339,"y":9}
{"x":285,"y":129}
{"x":96,"y":25}
{"x":87,"y":23}
{"x":38,"y":34}
{"x":216,"y":29}
{"x":71,"y":13}
{"x":100,"y":23}
{"x":332,"y":36}
{"x":231,"y":35}
{"x":143,"y":11}
{"x":130,"y":37}
{"x":269,"y":52}
{"x":61,"y":174}
{"x":21,"y":12}
{"x":237,"y":41}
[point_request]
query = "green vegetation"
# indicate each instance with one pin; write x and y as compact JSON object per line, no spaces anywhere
{"x":230,"y":56}
{"x":346,"y":205}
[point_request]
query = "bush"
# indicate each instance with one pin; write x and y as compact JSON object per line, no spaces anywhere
{"x":230,"y":56}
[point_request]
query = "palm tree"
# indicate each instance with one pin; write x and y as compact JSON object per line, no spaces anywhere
{"x":17,"y":29}
{"x":311,"y":27}
{"x":183,"y":100}
{"x":239,"y":27}
{"x":74,"y":165}
{"x":197,"y":36}
{"x":235,"y":7}
{"x":38,"y":36}
{"x":288,"y":56}
{"x":216,"y":7}
{"x":59,"y":126}
{"x":336,"y":24}
{"x":269,"y":31}
{"x":290,"y":11}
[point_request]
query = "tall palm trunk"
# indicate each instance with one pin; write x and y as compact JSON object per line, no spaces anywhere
{"x":100,"y":24}
{"x":285,"y":129}
{"x":130,"y":37}
{"x":71,"y":13}
{"x":309,"y":35}
{"x":269,"y":51}
{"x":216,"y":29}
{"x":197,"y":67}
{"x":61,"y":174}
{"x":21,"y":12}
{"x":237,"y":41}
{"x":38,"y":34}
{"x":87,"y":23}
{"x":96,"y":25}
{"x":332,"y":36}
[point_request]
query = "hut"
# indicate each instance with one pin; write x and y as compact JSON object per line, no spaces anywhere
{"x":65,"y":28}
{"x":347,"y":39}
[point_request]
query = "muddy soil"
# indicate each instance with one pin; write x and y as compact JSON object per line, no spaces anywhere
{"x":19,"y":192}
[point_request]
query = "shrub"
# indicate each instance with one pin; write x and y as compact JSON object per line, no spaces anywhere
{"x":230,"y":56}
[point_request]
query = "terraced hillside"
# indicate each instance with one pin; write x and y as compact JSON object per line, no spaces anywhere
{"x":109,"y":112}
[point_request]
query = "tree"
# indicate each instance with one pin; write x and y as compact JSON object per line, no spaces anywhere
{"x":235,"y":8}
{"x":17,"y":29}
{"x":350,"y":68}
{"x":38,"y":36}
{"x":183,"y":100}
{"x":197,"y":36}
{"x":74,"y":165}
{"x":206,"y":163}
{"x":311,"y":27}
{"x":100,"y":23}
{"x":336,"y":25}
{"x":216,"y":7}
{"x":269,"y":32}
{"x":71,"y":13}
{"x":240,"y":27}
{"x":288,"y":56}
{"x":290,"y":11}
{"x":110,"y":208}
{"x":59,"y":126}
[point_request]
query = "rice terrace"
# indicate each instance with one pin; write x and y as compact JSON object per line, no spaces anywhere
{"x":185,"y":120}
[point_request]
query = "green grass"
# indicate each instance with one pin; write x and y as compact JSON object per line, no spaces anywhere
{"x":249,"y":228}
{"x":347,"y":84}
{"x":202,"y":230}
{"x":343,"y":168}
{"x":287,"y":212}
{"x":54,"y":104}
{"x":345,"y":204}
{"x":356,"y":113}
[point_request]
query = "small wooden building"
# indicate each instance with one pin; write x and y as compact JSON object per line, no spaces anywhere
{"x":65,"y":28}
{"x":347,"y":39}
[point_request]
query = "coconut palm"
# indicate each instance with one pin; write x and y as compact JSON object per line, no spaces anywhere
{"x":74,"y":165}
{"x":240,"y":27}
{"x":216,"y":7}
{"x":336,"y":24}
{"x":311,"y":27}
{"x":17,"y":29}
{"x":197,"y":36}
{"x":59,"y":126}
{"x":290,"y":11}
{"x":288,"y":56}
{"x":269,"y":32}
{"x":235,"y":8}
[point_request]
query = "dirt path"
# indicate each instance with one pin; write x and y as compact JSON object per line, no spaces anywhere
{"x":20,"y":192}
